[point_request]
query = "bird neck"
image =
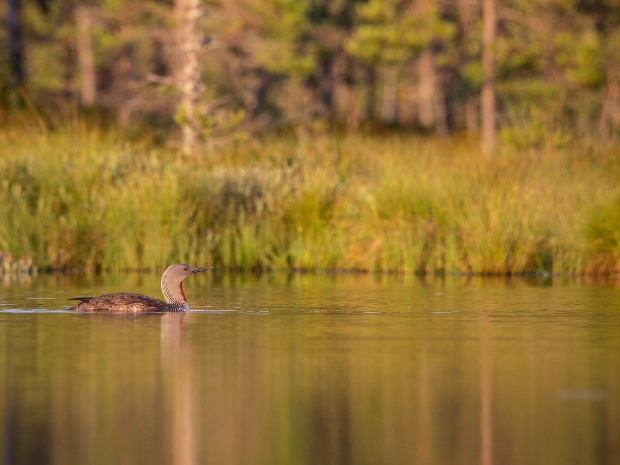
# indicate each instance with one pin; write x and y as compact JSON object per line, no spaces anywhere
{"x":172,"y":290}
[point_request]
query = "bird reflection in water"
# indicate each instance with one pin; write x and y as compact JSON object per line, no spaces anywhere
{"x":176,"y":362}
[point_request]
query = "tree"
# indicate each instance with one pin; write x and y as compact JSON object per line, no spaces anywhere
{"x":188,"y":13}
{"x":541,"y":71}
{"x":85,"y":55}
{"x":16,"y":46}
{"x":468,"y":67}
{"x":392,"y":34}
{"x":605,"y":14}
{"x":488,"y":117}
{"x":259,"y":47}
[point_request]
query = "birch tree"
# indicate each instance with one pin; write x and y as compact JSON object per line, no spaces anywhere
{"x":488,"y":117}
{"x":189,"y":40}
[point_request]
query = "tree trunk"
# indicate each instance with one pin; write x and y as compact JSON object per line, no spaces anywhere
{"x":610,"y":115}
{"x":189,"y":41}
{"x":69,"y":67}
{"x":16,"y":46}
{"x":158,"y":60}
{"x":465,"y":14}
{"x":371,"y":92}
{"x":426,"y":90}
{"x":432,"y":112}
{"x":260,"y":92}
{"x":327,"y":82}
{"x":351,"y":110}
{"x":389,"y":106}
{"x":441,"y":109}
{"x":125,"y":76}
{"x":85,"y":55}
{"x":471,"y":100}
{"x":488,"y":116}
{"x":350,"y":105}
{"x":471,"y":114}
{"x":68,"y":43}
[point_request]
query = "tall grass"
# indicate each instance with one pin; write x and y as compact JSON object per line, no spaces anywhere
{"x":80,"y":197}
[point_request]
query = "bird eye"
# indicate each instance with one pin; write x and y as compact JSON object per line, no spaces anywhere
{"x":185,"y":269}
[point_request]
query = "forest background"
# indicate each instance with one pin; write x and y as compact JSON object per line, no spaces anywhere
{"x":462,"y":136}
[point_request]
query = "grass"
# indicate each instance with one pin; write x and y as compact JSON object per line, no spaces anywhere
{"x":83,"y":197}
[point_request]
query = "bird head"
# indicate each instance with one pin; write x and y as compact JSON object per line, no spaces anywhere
{"x":172,"y":279}
{"x":179,"y":271}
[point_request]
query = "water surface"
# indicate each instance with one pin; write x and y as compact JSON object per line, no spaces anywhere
{"x":313,"y":369}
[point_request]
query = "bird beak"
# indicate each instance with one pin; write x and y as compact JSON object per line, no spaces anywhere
{"x":198,"y":270}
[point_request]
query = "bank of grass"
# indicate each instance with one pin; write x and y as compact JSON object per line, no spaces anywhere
{"x":79,"y":197}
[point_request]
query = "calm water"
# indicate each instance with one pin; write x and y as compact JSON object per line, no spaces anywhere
{"x":313,"y":370}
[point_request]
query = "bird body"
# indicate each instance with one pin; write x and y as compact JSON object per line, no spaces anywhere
{"x":127,"y":303}
{"x":171,"y":286}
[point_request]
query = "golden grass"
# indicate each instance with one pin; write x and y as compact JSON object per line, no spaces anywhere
{"x":80,"y":197}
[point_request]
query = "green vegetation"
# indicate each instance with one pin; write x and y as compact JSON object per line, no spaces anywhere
{"x":272,"y":64}
{"x":88,"y":196}
{"x":77,"y":197}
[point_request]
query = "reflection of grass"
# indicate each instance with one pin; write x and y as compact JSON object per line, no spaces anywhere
{"x":84,"y":198}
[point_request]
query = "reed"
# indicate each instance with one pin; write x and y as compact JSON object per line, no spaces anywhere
{"x":85,"y":198}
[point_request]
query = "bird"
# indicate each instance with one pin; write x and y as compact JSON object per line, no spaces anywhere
{"x":171,"y":287}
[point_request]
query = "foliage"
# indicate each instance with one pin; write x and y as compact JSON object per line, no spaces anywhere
{"x":603,"y":232}
{"x":291,"y":62}
{"x":392,"y":32}
{"x":80,"y":197}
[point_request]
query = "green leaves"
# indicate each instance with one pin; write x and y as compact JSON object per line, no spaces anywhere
{"x":587,"y":69}
{"x":392,"y":32}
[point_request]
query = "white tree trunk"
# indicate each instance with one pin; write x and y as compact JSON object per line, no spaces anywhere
{"x":188,"y":75}
{"x":431,"y":104}
{"x":426,"y":90}
{"x":488,"y":115}
{"x":85,"y":55}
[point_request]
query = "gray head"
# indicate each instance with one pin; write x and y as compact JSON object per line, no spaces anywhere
{"x":173,"y":277}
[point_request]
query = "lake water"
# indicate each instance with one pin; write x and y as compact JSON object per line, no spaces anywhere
{"x":313,"y":369}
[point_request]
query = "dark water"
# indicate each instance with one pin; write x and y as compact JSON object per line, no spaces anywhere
{"x":313,"y":370}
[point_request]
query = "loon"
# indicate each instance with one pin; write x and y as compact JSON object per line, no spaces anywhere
{"x":171,"y":286}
